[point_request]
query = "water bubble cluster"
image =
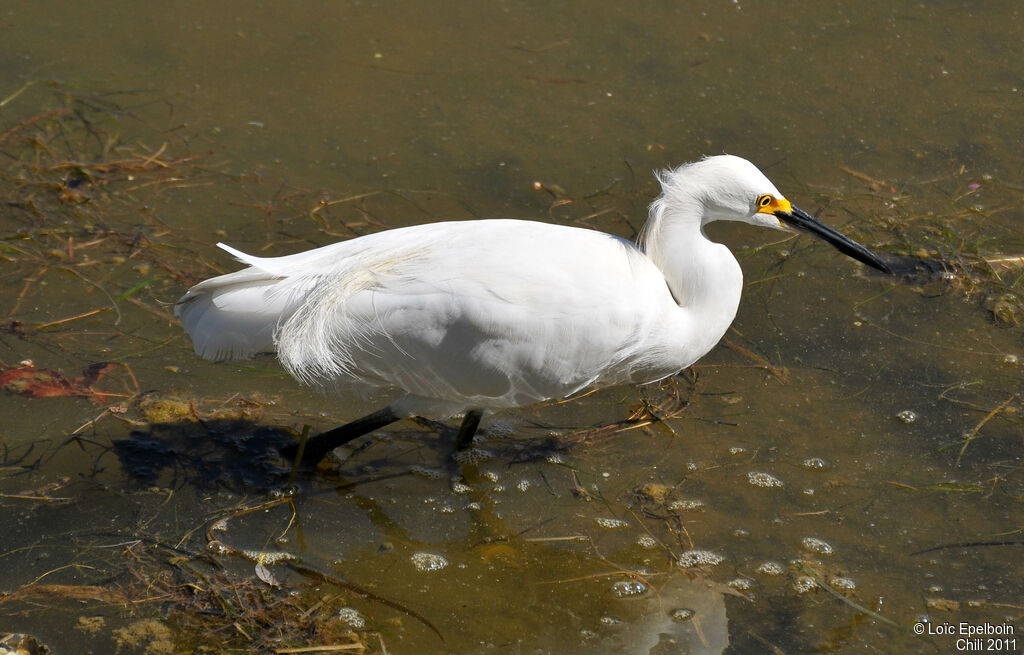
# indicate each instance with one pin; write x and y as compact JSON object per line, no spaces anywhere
{"x":352,"y":617}
{"x":287,"y":491}
{"x":762,"y":479}
{"x":472,"y":456}
{"x":771,"y":568}
{"x":741,"y":584}
{"x":217,"y":547}
{"x":682,"y":614}
{"x":424,"y":561}
{"x":816,"y":545}
{"x":692,"y":558}
{"x":804,"y":583}
{"x":267,"y":557}
{"x":429,"y":473}
{"x":843,"y":584}
{"x":908,"y":416}
{"x":628,"y":588}
{"x":646,"y":541}
{"x":611,"y":524}
{"x":814,"y":463}
{"x":687,"y":505}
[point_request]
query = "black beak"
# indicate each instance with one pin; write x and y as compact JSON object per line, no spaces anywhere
{"x":804,"y":223}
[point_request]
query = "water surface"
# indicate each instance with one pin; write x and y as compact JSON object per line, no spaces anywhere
{"x":854,"y":433}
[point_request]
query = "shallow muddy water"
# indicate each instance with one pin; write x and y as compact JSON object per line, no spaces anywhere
{"x":843,"y":468}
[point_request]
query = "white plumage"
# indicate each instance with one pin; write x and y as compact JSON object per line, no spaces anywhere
{"x":501,"y":313}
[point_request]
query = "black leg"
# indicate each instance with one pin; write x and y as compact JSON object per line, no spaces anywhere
{"x":318,"y":447}
{"x":468,"y":428}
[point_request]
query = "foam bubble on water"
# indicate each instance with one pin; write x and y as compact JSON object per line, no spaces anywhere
{"x":682,"y":614}
{"x":217,"y":547}
{"x":472,"y":456}
{"x":771,"y":568}
{"x":816,"y":545}
{"x":629,"y":588}
{"x":424,"y":561}
{"x":523,"y":485}
{"x":843,"y":583}
{"x":741,"y":584}
{"x":688,"y":505}
{"x":461,"y":488}
{"x":491,"y":476}
{"x":696,"y":557}
{"x":609,"y":620}
{"x":646,"y":541}
{"x":804,"y":583}
{"x":814,"y":463}
{"x":267,"y":557}
{"x":287,"y":491}
{"x":429,"y":473}
{"x":737,"y":450}
{"x":352,"y":617}
{"x":762,"y":479}
{"x":611,"y":524}
{"x":908,"y":416}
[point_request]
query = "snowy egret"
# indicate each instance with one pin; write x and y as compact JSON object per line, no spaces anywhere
{"x":469,"y":316}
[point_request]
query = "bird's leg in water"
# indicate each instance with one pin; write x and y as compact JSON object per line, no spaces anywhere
{"x":464,"y":439}
{"x":318,"y":447}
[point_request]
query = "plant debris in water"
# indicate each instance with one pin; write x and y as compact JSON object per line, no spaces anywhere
{"x":82,"y":236}
{"x":166,"y":597}
{"x":959,"y":233}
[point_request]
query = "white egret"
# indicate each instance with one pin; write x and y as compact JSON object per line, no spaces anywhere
{"x":469,"y":316}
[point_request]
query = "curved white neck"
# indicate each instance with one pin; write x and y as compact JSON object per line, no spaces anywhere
{"x":704,"y":277}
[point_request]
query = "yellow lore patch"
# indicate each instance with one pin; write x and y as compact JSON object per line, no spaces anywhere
{"x":769,"y":204}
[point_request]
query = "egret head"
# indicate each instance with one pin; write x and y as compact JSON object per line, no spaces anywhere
{"x":729,"y":188}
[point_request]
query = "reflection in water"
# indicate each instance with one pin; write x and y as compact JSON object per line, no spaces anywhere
{"x":682,"y":615}
{"x":890,"y":413}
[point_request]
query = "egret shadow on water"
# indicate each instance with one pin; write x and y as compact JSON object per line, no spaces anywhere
{"x":244,"y":455}
{"x":240,"y":455}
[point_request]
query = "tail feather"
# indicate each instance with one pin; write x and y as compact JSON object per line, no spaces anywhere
{"x":236,"y":315}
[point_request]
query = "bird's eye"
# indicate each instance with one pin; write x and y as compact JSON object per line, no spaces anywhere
{"x":764,"y":200}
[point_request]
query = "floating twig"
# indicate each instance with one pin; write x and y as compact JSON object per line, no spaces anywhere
{"x":969,"y":437}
